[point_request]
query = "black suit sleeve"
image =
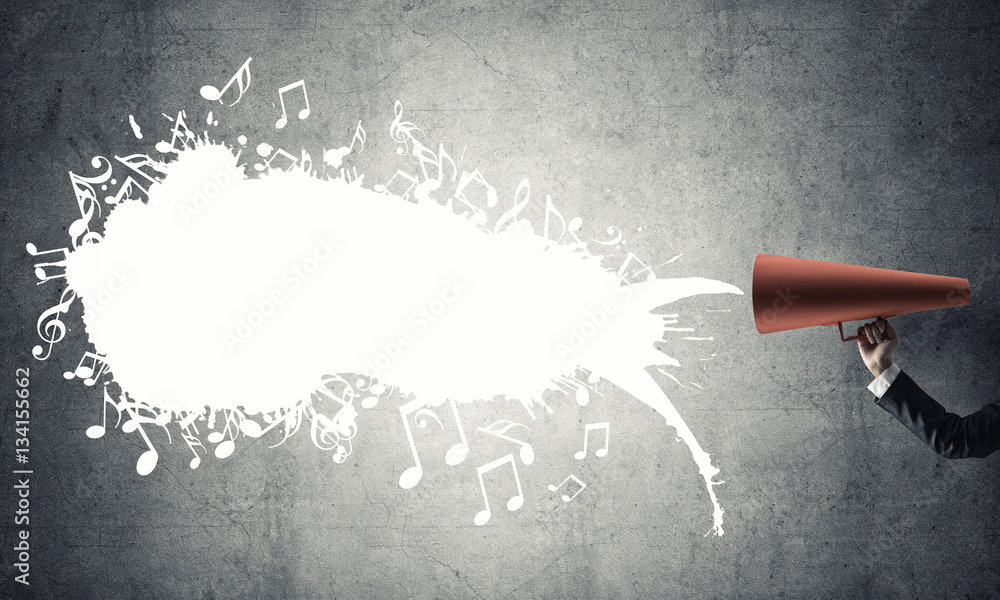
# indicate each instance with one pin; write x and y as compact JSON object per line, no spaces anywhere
{"x":951,"y":436}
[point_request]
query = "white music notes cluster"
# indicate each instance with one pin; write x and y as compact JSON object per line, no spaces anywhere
{"x":432,"y":218}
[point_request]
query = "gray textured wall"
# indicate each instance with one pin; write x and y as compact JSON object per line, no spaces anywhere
{"x":858,"y":132}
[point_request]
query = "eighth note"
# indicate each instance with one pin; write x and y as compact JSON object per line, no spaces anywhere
{"x":595,"y":427}
{"x":515,"y":501}
{"x":280,"y":123}
{"x":241,"y":79}
{"x":567,"y":497}
{"x":88,"y":373}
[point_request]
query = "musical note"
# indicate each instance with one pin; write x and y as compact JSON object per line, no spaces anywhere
{"x":97,"y":431}
{"x":306,"y":162}
{"x":356,"y":180}
{"x":406,"y":193}
{"x":50,"y":327}
{"x":574,"y":224}
{"x":189,"y":419}
{"x":501,"y":427}
{"x":519,"y":204}
{"x":87,"y":373}
{"x":40,"y":272}
{"x":455,"y":454}
{"x":86,"y":199}
{"x":241,"y":78}
{"x":595,"y":427}
{"x":160,"y":418}
{"x":147,"y":461}
{"x":328,"y":434}
{"x":125,"y":191}
{"x":279,"y":152}
{"x":515,"y":501}
{"x":136,"y":161}
{"x":280,"y":123}
{"x":180,"y":132}
{"x":567,"y":497}
{"x":616,"y":237}
{"x":251,"y":428}
{"x":426,"y":157}
{"x":478,"y":215}
{"x":411,"y":476}
{"x":635,"y":272}
{"x":335,"y":157}
{"x":193,"y":441}
{"x":402,"y":131}
{"x":375,"y":390}
{"x":225,"y":447}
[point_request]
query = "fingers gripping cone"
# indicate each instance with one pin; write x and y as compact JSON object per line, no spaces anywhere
{"x":791,"y":293}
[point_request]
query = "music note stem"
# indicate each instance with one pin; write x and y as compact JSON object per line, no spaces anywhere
{"x":411,"y":476}
{"x":457,"y":453}
{"x":594,"y":427}
{"x":281,"y":122}
{"x":515,"y":501}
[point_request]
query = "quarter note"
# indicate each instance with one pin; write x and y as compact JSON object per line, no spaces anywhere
{"x":242,"y":79}
{"x":595,"y":427}
{"x":457,"y":453}
{"x":280,"y":123}
{"x":411,"y":476}
{"x":515,"y":501}
{"x":567,"y":497}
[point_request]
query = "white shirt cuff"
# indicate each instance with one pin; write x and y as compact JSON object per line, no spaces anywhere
{"x":883,"y":381}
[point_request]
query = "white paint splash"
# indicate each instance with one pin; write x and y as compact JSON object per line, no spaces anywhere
{"x":135,"y":127}
{"x":245,"y":292}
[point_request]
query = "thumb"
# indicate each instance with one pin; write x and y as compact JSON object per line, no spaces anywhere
{"x":863,"y":339}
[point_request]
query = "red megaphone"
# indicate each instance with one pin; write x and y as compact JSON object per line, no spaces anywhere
{"x":789,"y":293}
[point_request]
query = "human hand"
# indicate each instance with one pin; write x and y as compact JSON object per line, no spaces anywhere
{"x":877,"y":343}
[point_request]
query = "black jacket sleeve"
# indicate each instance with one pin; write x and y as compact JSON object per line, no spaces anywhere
{"x":951,"y":436}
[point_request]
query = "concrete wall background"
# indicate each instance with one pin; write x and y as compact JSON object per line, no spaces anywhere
{"x":854,"y":132}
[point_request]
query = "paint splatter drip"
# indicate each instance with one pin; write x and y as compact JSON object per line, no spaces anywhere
{"x":276,"y":296}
